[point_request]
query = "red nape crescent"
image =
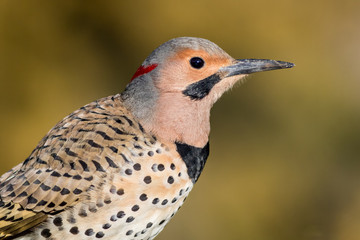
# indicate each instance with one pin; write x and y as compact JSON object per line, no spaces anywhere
{"x":143,"y":70}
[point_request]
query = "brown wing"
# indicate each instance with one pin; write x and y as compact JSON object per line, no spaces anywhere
{"x":73,"y":158}
{"x":11,"y":213}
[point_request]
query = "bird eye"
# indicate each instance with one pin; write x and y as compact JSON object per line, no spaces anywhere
{"x":197,"y":62}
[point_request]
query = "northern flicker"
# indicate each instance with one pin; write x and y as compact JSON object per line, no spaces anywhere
{"x":121,"y":167}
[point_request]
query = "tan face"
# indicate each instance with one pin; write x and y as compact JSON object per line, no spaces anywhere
{"x":177,"y":72}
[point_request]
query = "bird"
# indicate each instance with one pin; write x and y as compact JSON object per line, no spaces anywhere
{"x":122,"y":166}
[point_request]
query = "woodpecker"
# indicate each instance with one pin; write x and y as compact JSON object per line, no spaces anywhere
{"x":122,"y":166}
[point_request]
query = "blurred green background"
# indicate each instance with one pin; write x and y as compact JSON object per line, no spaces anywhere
{"x":285,"y":146}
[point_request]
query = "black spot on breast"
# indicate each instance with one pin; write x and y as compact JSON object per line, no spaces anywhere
{"x":99,"y":234}
{"x":172,"y":166}
{"x":74,"y":230}
{"x":194,"y":158}
{"x":147,"y":179}
{"x":89,"y":232}
{"x":137,"y":167}
{"x":161,"y":167}
{"x":45,"y":233}
{"x":130,"y":219}
{"x":120,"y":191}
{"x":143,"y":197}
{"x":58,"y":221}
{"x":106,"y":226}
{"x":170,"y":180}
{"x":120,"y":214}
{"x":128,"y":171}
{"x":135,"y":208}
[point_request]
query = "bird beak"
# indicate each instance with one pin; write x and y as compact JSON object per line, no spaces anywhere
{"x":199,"y":90}
{"x":247,"y":66}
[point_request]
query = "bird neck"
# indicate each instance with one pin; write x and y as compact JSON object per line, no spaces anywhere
{"x":171,"y":117}
{"x":178,"y":118}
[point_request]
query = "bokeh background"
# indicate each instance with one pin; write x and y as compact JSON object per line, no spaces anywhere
{"x":285,"y":146}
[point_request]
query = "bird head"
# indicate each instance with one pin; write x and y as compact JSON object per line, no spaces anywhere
{"x":174,"y":89}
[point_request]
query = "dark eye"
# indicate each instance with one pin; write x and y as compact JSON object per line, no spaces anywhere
{"x":197,"y":62}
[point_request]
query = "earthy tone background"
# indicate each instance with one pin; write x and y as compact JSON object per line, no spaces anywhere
{"x":285,"y":146}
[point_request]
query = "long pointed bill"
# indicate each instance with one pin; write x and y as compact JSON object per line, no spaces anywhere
{"x":200,"y":89}
{"x":247,"y":66}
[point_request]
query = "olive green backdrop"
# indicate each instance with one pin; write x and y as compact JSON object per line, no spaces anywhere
{"x":285,"y":146}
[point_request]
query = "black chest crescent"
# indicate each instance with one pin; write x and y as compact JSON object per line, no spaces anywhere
{"x":194,"y":158}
